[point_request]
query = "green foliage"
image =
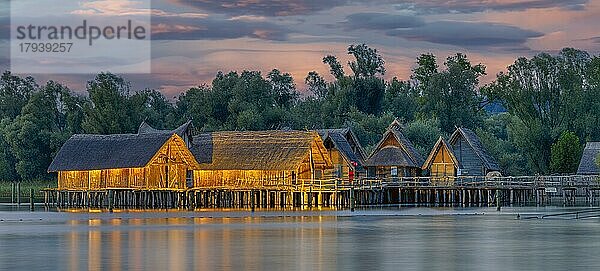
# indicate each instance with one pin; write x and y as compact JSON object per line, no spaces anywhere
{"x":364,"y":90}
{"x":496,"y":135}
{"x":368,"y":62}
{"x":8,"y":161}
{"x":40,"y":130}
{"x":156,"y":109}
{"x":566,"y":153}
{"x":423,"y":133}
{"x":245,"y":101}
{"x":36,"y":185}
{"x":550,"y":94}
{"x":111,"y":109}
{"x":400,"y":99}
{"x":450,"y":95}
{"x":335,"y":67}
{"x":14,"y":94}
{"x":316,"y":85}
{"x":283,"y":87}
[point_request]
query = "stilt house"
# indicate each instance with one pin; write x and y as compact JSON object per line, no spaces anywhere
{"x":124,"y":161}
{"x":254,"y":159}
{"x":473,"y":159}
{"x":345,"y":152}
{"x":394,"y":156}
{"x":441,"y":162}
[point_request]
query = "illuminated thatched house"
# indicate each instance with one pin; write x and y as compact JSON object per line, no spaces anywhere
{"x":252,"y":159}
{"x":472,"y":157}
{"x":441,"y":162}
{"x":394,"y":156}
{"x":345,"y":152}
{"x":124,"y":161}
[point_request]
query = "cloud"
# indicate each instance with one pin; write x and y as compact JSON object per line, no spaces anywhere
{"x":270,"y":8}
{"x":382,"y":21}
{"x":113,"y":8}
{"x":468,"y":34}
{"x":171,"y":28}
{"x":471,"y":6}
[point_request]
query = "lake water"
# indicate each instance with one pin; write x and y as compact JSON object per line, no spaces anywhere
{"x":371,"y":239}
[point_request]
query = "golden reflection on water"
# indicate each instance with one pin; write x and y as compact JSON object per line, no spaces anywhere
{"x":115,"y":240}
{"x":176,"y":245}
{"x":136,"y":241}
{"x":197,"y":243}
{"x":73,"y":239}
{"x":94,"y":245}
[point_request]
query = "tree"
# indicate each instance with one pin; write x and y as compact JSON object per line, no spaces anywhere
{"x":316,"y":84}
{"x":423,"y":133}
{"x":14,"y":94}
{"x":400,"y":100}
{"x":283,"y":87}
{"x":548,"y":94}
{"x":245,"y":101}
{"x":7,"y":157}
{"x":156,"y":109}
{"x":363,"y":90}
{"x":450,"y":95}
{"x":566,"y":153}
{"x":367,"y":63}
{"x":40,"y":130}
{"x":335,"y":67}
{"x":426,"y":67}
{"x":111,"y":110}
{"x":497,"y":136}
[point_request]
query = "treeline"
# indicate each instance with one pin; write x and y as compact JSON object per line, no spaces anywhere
{"x":534,"y":118}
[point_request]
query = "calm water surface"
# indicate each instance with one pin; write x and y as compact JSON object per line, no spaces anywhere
{"x":382,"y":239}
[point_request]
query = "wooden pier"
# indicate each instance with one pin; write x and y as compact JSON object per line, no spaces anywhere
{"x":422,"y":191}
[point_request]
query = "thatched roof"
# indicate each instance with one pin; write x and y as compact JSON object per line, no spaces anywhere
{"x":259,"y":150}
{"x":145,"y":128}
{"x":441,"y":143}
{"x":589,"y":159}
{"x":472,"y":139}
{"x":93,"y":152}
{"x":402,"y":153}
{"x":343,"y":140}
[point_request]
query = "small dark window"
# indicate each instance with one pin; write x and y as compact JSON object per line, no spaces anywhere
{"x":189,"y":178}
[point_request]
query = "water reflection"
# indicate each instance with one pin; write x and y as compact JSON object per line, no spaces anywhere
{"x":302,"y":243}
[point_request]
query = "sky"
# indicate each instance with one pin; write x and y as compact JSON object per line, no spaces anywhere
{"x":194,"y":39}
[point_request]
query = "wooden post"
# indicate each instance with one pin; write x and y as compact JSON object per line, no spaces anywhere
{"x":12,"y":192}
{"x":352,"y":198}
{"x":19,"y":193}
{"x":399,"y":196}
{"x":110,"y":200}
{"x":31,"y":199}
{"x":498,"y":202}
{"x":310,"y":197}
{"x":252,"y":200}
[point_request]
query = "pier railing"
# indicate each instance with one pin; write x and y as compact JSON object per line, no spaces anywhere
{"x":522,"y":182}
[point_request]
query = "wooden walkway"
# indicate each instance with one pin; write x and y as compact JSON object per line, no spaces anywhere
{"x":458,"y":191}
